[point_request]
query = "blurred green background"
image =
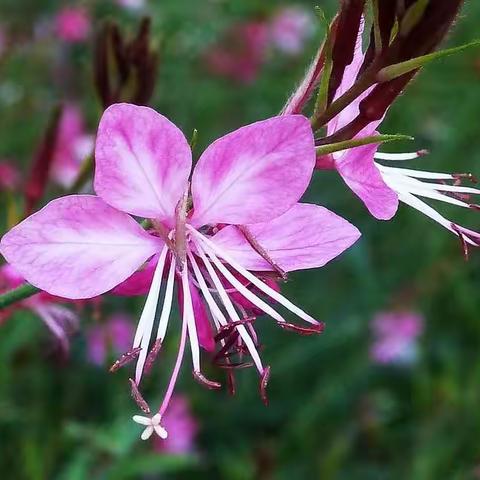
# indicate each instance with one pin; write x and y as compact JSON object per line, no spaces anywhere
{"x":333,"y":414}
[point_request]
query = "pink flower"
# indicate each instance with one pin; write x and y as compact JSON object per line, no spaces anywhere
{"x":72,"y":24}
{"x":9,"y":176}
{"x":246,"y":184}
{"x":381,"y":187}
{"x":60,"y":320}
{"x":131,"y":4}
{"x":72,"y":147}
{"x":395,"y":337}
{"x":241,"y":53}
{"x":290,"y":28}
{"x":115,"y":335}
{"x":178,"y":419}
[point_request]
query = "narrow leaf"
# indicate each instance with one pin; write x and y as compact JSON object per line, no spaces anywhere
{"x":399,"y":69}
{"x":359,"y":142}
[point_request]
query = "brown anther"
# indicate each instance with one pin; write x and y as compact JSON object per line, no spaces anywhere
{"x":251,"y":239}
{"x":226,"y":330}
{"x":152,"y":355}
{"x":235,"y":366}
{"x":202,"y":380}
{"x":125,"y":359}
{"x":463,"y":242}
{"x":263,"y":385}
{"x":474,"y":206}
{"x":223,"y":352}
{"x":423,"y":152}
{"x":314,"y":330}
{"x":468,"y":176}
{"x":137,"y":396}
{"x":231,"y":383}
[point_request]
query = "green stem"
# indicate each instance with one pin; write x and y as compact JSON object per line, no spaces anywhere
{"x":20,"y":293}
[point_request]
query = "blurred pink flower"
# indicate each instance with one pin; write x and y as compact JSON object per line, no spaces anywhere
{"x":60,"y":320}
{"x":72,"y":24}
{"x":240,"y":53}
{"x":290,"y":28}
{"x":114,"y":335}
{"x":9,"y":176}
{"x":131,"y":4}
{"x":73,"y":146}
{"x":395,"y":336}
{"x":178,"y":420}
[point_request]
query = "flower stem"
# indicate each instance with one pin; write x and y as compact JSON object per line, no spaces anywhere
{"x":20,"y":293}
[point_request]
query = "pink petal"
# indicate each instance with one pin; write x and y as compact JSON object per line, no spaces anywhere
{"x":307,"y":236}
{"x":255,"y":173}
{"x":142,"y":162}
{"x":139,"y":283}
{"x":77,"y":247}
{"x":358,"y":170}
{"x":202,"y":322}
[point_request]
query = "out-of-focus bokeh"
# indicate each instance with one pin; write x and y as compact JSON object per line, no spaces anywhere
{"x":391,"y":390}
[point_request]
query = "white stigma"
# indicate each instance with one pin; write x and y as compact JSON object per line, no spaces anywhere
{"x":152,"y":424}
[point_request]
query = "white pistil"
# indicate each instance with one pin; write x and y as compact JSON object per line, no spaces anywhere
{"x":152,"y":424}
{"x":189,"y":317}
{"x":145,"y":325}
{"x":167,"y":302}
{"x":210,"y":246}
{"x":231,"y":310}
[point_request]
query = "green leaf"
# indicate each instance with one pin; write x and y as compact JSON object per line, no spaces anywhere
{"x":359,"y":142}
{"x":399,"y":69}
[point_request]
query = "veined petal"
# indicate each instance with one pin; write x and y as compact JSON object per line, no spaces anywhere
{"x":139,"y":283}
{"x":78,"y":247}
{"x":142,"y":162}
{"x":307,"y":236}
{"x":359,"y":172}
{"x":255,"y":173}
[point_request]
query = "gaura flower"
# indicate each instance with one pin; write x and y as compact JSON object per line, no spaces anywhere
{"x":60,"y":320}
{"x":238,"y":223}
{"x":178,"y":419}
{"x":395,"y":337}
{"x":241,"y":52}
{"x":131,"y":4}
{"x":290,"y":28}
{"x":9,"y":176}
{"x":72,"y":24}
{"x":381,"y":187}
{"x":114,"y":334}
{"x":73,"y":145}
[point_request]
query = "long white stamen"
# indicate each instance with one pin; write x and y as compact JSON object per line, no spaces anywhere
{"x":245,"y":291}
{"x":397,"y":156}
{"x":190,"y":319}
{"x":167,"y":303}
{"x":214,"y":308}
{"x":147,"y":319}
{"x":231,"y":310}
{"x":414,"y":173}
{"x":421,"y":190}
{"x":430,"y":212}
{"x":406,"y":181}
{"x":209,"y":245}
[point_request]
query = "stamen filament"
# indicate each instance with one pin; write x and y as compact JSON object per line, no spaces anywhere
{"x":145,"y":325}
{"x":231,"y":309}
{"x":209,"y":245}
{"x":167,"y":302}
